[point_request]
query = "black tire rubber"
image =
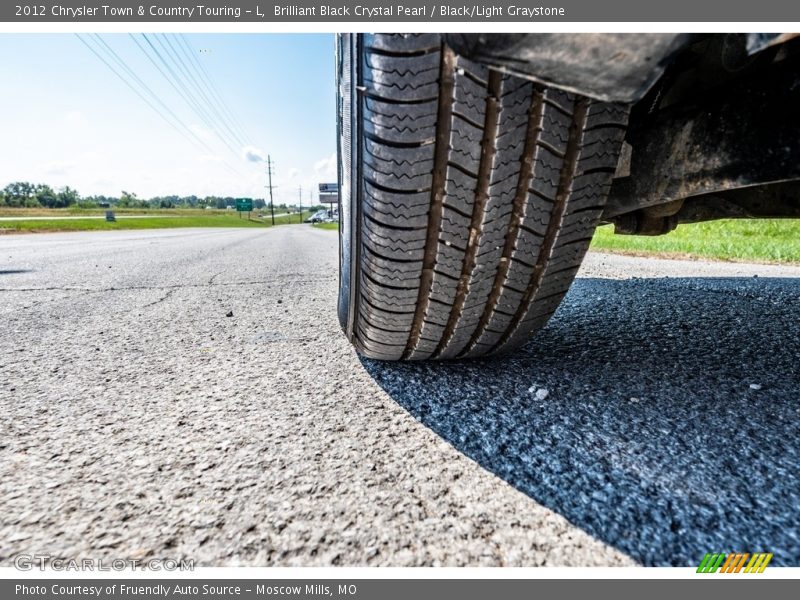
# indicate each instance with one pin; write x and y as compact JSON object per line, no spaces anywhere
{"x":468,"y":197}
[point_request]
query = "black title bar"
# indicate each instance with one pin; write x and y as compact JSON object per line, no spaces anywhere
{"x":410,"y":11}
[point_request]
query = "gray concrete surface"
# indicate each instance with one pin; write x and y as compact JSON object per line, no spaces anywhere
{"x":655,"y":418}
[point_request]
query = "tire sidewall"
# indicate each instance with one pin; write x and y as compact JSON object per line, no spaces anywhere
{"x":346,"y":125}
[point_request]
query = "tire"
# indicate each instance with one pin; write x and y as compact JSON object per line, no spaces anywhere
{"x":468,"y":197}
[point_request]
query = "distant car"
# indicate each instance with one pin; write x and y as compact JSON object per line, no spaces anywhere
{"x":318,"y":217}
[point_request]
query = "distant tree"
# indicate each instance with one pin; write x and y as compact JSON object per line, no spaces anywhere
{"x":26,"y":194}
{"x":46,"y":196}
{"x":17,"y":193}
{"x":128,"y":199}
{"x":66,"y":197}
{"x":165,"y":201}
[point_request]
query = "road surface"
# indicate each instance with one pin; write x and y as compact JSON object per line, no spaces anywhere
{"x":187,"y":394}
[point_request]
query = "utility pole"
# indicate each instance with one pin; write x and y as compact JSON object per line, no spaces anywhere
{"x":269,"y":175}
{"x":300,"y":197}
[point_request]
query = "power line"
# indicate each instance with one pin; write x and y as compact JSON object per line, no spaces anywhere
{"x":201,"y":100}
{"x":153,"y":96}
{"x":175,"y":122}
{"x":138,"y":93}
{"x":177,"y":84}
{"x":209,"y":82}
{"x":212,"y":86}
{"x":189,"y":95}
{"x":194,"y":80}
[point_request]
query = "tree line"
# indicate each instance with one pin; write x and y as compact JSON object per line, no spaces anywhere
{"x":29,"y":195}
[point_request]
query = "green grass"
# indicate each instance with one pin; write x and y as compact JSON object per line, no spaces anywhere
{"x":334,"y":226}
{"x":767,"y":240}
{"x":157,"y":221}
{"x":77,"y":211}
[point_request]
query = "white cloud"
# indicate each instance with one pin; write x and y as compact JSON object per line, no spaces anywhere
{"x":57,"y":167}
{"x":253,"y":154}
{"x":203,"y":133}
{"x":101,"y":185}
{"x":325,"y":168}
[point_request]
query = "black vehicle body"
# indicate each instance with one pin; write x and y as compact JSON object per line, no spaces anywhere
{"x":714,"y":130}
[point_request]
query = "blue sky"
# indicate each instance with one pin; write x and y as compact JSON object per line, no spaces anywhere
{"x":66,"y":119}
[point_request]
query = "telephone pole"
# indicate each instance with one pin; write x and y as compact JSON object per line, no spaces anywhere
{"x":300,"y":197}
{"x":270,"y":164}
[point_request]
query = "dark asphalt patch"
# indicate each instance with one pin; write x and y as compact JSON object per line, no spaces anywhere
{"x":671,"y":426}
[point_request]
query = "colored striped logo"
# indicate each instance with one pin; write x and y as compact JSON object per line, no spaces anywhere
{"x":735,"y":562}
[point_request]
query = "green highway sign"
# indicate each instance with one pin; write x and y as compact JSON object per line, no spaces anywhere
{"x":244,"y":205}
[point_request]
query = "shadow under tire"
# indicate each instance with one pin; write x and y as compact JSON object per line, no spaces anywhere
{"x":468,"y":197}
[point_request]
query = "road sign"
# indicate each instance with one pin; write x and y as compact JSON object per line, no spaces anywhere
{"x":329,"y":193}
{"x":244,"y":205}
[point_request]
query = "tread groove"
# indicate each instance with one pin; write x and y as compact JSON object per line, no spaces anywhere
{"x":389,"y":190}
{"x":488,"y":153}
{"x":398,"y":54}
{"x":387,"y":259}
{"x":393,"y":144}
{"x":568,"y":173}
{"x":388,"y":226}
{"x":387,"y":100}
{"x":443,"y":129}
{"x":535,"y":115}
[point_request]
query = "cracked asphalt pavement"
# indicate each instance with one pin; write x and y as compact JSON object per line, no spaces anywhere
{"x":188,"y":394}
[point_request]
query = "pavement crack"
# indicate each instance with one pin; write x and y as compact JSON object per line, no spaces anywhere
{"x":162,"y":299}
{"x":266,"y":282}
{"x":50,"y":289}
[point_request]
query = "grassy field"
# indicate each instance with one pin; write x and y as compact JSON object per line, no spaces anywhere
{"x":767,"y":240}
{"x":154,"y":220}
{"x":76,"y":211}
{"x":334,"y":226}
